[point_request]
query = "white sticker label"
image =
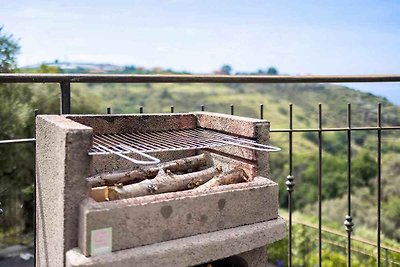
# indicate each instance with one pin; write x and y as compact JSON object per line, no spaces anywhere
{"x":101,"y":241}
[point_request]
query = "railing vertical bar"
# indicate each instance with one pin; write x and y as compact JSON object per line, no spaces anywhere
{"x":291,"y":139}
{"x":172,"y":109}
{"x":348,"y":222}
{"x":261,"y":111}
{"x":290,"y":183}
{"x":141,"y":109}
{"x":36,"y":112}
{"x":202,"y":108}
{"x":232,"y":109}
{"x":108,"y":110}
{"x":320,"y":185}
{"x":65,"y":98}
{"x":379,"y":197}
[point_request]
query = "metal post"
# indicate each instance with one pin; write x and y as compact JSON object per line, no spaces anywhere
{"x":65,"y":98}
{"x":290,"y":182}
{"x":320,"y":185}
{"x":36,"y":112}
{"x":348,"y":222}
{"x":379,"y":194}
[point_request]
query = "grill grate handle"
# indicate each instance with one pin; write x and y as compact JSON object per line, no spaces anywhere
{"x":152,"y":160}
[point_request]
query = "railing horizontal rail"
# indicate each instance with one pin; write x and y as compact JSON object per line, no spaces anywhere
{"x":387,"y":128}
{"x":11,"y":141}
{"x":179,"y":78}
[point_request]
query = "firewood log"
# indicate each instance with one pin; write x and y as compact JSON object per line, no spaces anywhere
{"x":162,"y":183}
{"x":100,"y":193}
{"x":236,"y":175}
{"x":178,"y":165}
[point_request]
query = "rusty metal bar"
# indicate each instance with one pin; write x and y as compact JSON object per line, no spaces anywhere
{"x":175,"y":78}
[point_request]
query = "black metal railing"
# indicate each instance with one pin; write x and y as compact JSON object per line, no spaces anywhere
{"x":348,"y":222}
{"x":65,"y":81}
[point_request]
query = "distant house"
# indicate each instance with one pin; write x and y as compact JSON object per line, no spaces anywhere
{"x":79,"y":67}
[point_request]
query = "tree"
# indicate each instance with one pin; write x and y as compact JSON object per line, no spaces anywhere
{"x":272,"y":71}
{"x":17,"y":103}
{"x":364,"y":168}
{"x":15,"y":159}
{"x":9,"y":49}
{"x":130,"y":69}
{"x":226,"y":69}
{"x":44,"y":68}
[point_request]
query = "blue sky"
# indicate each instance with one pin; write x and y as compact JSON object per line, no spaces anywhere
{"x":298,"y":37}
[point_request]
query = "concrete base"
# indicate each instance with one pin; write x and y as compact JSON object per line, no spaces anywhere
{"x":156,"y":218}
{"x":191,"y":250}
{"x":253,"y":258}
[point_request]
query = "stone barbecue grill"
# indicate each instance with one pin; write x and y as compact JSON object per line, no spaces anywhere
{"x":232,"y":222}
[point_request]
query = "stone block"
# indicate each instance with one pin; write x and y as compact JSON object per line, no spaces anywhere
{"x":240,"y":126}
{"x":61,"y":165}
{"x":255,"y":129}
{"x":156,"y":218}
{"x":110,"y":124}
{"x":190,"y":251}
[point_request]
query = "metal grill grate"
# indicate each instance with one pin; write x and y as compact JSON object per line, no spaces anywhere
{"x":174,"y":140}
